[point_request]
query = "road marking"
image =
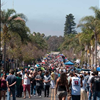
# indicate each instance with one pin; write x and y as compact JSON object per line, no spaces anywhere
{"x":54,"y":95}
{"x":51,"y":93}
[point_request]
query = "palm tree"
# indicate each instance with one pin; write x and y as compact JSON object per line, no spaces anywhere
{"x":11,"y":23}
{"x":92,"y":23}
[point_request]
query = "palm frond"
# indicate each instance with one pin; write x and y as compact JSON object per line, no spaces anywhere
{"x":22,"y":16}
{"x":96,"y":11}
{"x":9,"y":13}
{"x":87,"y":19}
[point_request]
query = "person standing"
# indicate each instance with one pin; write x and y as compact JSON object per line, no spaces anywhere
{"x":0,"y":88}
{"x":52,"y":80}
{"x":83,"y":89}
{"x":39,"y":80}
{"x":69,"y":92}
{"x":76,"y":84}
{"x":26,"y":84}
{"x":47,"y":79}
{"x":89,"y":82}
{"x":22,"y":72}
{"x":62,"y":86}
{"x":95,"y":81}
{"x":18,"y":83}
{"x":11,"y":81}
{"x":3,"y":86}
{"x":33,"y":84}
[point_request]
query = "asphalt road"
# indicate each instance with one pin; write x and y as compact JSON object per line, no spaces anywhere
{"x":51,"y":96}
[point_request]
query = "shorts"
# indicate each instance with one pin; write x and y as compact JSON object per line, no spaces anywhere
{"x":26,"y":87}
{"x":62,"y":94}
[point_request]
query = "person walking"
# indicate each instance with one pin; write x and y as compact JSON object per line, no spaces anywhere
{"x":39,"y":80}
{"x":83,"y":89}
{"x":95,"y":81}
{"x":76,"y":84}
{"x":0,"y":88}
{"x":52,"y":79}
{"x":47,"y":79}
{"x":18,"y":83}
{"x":26,"y":84}
{"x":86,"y":81}
{"x":62,"y":86}
{"x":3,"y":86}
{"x":69,"y":92}
{"x":89,"y":82}
{"x":33,"y":84}
{"x":11,"y":81}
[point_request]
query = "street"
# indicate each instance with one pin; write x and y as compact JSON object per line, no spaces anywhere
{"x":51,"y":96}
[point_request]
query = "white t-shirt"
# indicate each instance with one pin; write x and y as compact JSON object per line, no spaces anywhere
{"x":75,"y":86}
{"x":26,"y":80}
{"x":90,"y":79}
{"x":84,"y":84}
{"x":47,"y":78}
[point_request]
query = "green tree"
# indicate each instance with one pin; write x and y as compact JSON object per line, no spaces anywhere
{"x":54,"y":43}
{"x":92,"y":23}
{"x":11,"y":22}
{"x":69,"y":25}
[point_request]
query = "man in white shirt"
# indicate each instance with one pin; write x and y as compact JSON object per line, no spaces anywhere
{"x":26,"y":84}
{"x":76,"y":83}
{"x":47,"y":79}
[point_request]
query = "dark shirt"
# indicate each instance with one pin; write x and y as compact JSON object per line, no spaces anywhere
{"x":86,"y":80}
{"x":33,"y":81}
{"x":3,"y":83}
{"x":18,"y":81}
{"x":11,"y":79}
{"x":38,"y":82}
{"x":61,"y":88}
{"x":96,"y":82}
{"x":0,"y":85}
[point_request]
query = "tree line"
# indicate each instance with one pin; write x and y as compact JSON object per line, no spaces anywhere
{"x":20,"y":44}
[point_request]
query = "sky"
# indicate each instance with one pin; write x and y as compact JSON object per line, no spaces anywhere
{"x":48,"y":16}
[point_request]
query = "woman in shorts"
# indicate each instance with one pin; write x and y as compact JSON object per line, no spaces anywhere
{"x":62,"y":86}
{"x":3,"y":86}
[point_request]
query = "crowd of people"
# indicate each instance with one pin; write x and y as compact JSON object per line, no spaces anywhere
{"x":70,"y":85}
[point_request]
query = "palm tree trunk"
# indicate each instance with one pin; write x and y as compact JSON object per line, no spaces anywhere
{"x":92,"y":60}
{"x":92,"y":57}
{"x":5,"y":56}
{"x":95,"y":55}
